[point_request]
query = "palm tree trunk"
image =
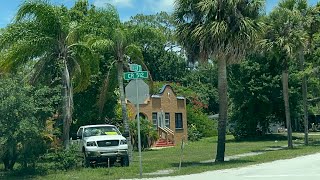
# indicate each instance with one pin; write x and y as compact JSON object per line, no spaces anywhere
{"x":286,"y":105}
{"x":304,"y":97}
{"x":223,"y":107}
{"x":124,"y":106}
{"x":67,"y":104}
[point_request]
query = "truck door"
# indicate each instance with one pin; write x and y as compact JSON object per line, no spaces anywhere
{"x":79,"y":140}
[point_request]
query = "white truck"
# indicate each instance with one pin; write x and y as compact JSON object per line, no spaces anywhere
{"x":101,"y":143}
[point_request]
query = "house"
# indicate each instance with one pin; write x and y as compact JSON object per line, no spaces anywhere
{"x":167,"y":112}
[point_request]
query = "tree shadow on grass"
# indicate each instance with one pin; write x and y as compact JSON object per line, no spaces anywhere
{"x":269,"y":148}
{"x":203,"y":164}
{"x":314,"y":143}
{"x":266,"y":137}
{"x":16,"y":175}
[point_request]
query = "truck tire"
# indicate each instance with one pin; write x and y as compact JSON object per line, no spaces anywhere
{"x":86,"y":161}
{"x":125,"y":161}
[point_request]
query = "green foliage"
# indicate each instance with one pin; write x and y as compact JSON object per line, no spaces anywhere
{"x":23,"y":111}
{"x":256,"y":95}
{"x":219,"y":29}
{"x":199,"y":124}
{"x":66,"y":159}
{"x":203,"y":81}
{"x":193,"y":133}
{"x":154,"y":35}
{"x":148,"y":135}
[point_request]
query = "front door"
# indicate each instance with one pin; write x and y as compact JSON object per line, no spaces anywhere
{"x":160,"y":118}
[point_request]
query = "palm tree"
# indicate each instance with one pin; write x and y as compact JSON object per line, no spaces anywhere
{"x":123,"y":50}
{"x":311,"y":23}
{"x":45,"y":35}
{"x":223,"y":30}
{"x":286,"y":37}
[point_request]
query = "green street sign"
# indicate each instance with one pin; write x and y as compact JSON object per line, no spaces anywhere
{"x":135,"y":67}
{"x":135,"y":75}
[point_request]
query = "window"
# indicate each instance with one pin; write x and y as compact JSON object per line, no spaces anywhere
{"x":167,"y":120}
{"x":100,"y":130}
{"x":155,"y":120}
{"x":179,"y":121}
{"x":79,"y":133}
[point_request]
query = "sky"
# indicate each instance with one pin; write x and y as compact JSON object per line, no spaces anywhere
{"x":126,"y":8}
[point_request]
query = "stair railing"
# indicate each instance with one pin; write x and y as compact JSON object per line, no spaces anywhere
{"x":167,"y":132}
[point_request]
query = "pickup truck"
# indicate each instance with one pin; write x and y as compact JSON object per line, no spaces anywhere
{"x":101,"y":143}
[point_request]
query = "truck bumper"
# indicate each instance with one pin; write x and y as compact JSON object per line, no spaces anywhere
{"x":105,"y":155}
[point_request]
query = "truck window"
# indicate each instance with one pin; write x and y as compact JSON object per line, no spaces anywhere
{"x":101,"y":130}
{"x":79,"y":133}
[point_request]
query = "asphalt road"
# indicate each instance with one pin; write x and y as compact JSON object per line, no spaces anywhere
{"x":291,"y":169}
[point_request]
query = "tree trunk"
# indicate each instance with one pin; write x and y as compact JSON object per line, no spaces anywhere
{"x":286,"y":105}
{"x":67,"y":104}
{"x":304,"y":97}
{"x":124,"y":106}
{"x":10,"y":155}
{"x":223,"y":107}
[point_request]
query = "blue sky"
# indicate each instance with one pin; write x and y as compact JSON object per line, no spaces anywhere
{"x":126,"y":8}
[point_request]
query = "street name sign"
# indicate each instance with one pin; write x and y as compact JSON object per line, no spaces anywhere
{"x":135,"y":75}
{"x":135,"y":67}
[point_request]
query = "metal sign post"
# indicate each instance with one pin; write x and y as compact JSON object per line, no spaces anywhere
{"x":136,"y":92}
{"x":181,"y":155}
{"x":139,"y":136}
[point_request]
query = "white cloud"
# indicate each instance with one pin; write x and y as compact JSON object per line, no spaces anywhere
{"x":159,"y":5}
{"x":116,"y":3}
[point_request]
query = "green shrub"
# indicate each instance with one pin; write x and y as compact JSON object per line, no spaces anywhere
{"x":147,"y":132}
{"x":193,"y":133}
{"x":23,"y":112}
{"x":66,"y":159}
{"x":203,"y":126}
{"x":31,"y":147}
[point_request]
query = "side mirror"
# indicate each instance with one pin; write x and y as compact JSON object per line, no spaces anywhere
{"x":74,"y":136}
{"x":125,"y":134}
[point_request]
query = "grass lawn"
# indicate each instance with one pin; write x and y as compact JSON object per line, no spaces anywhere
{"x":194,"y":153}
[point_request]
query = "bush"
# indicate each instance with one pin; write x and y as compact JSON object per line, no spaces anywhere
{"x":65,"y":159}
{"x":23,"y":111}
{"x":30,"y":148}
{"x":193,"y":133}
{"x":201,"y":125}
{"x":147,"y":132}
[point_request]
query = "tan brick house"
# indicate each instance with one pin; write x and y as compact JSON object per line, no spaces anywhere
{"x":167,"y":112}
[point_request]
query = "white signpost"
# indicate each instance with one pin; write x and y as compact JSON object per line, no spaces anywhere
{"x":137,"y":91}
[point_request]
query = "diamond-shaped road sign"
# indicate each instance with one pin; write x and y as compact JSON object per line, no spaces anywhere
{"x":137,"y":91}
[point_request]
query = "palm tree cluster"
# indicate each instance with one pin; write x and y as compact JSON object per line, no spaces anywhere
{"x":225,"y":31}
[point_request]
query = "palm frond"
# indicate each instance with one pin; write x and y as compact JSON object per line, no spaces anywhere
{"x":42,"y":12}
{"x":84,"y":63}
{"x":103,"y":45}
{"x":225,"y":28}
{"x":41,"y":67}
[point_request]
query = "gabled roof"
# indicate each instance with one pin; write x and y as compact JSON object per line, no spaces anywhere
{"x":162,"y":91}
{"x":164,"y":88}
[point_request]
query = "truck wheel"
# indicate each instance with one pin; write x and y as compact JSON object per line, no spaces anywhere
{"x":125,"y":161}
{"x":86,"y":161}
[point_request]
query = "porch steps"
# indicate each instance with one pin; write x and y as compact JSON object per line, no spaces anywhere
{"x":163,"y":143}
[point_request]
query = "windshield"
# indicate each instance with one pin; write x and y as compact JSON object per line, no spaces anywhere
{"x":101,"y":130}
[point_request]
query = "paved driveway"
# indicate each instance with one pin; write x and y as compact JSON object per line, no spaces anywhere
{"x":291,"y":169}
